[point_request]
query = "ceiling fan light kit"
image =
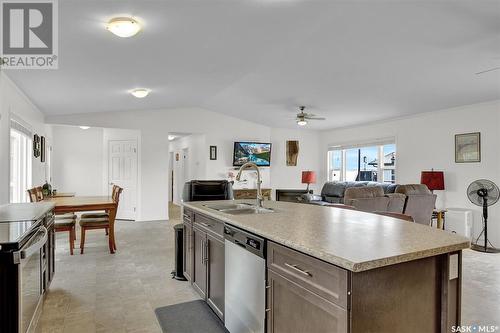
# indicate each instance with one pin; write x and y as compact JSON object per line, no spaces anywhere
{"x":303,"y":117}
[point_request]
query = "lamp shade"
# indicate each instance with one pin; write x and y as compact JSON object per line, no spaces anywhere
{"x":433,"y":179}
{"x":308,"y":177}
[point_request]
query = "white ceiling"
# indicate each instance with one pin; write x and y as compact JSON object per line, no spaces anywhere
{"x":350,"y":61}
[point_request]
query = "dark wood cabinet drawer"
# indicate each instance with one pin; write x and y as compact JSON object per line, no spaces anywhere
{"x":326,"y":280}
{"x":296,"y":309}
{"x":210,"y":225}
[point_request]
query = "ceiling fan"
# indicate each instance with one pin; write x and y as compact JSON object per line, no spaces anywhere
{"x":303,"y":117}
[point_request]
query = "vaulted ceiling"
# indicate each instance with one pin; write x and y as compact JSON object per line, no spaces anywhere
{"x":349,"y":61}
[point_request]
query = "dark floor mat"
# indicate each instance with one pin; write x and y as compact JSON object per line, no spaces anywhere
{"x":189,"y":317}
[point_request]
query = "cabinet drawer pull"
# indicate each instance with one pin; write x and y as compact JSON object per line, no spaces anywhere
{"x":205,"y":224}
{"x":268,"y":298}
{"x":297,"y":269}
{"x":206,"y":250}
{"x":202,"y":252}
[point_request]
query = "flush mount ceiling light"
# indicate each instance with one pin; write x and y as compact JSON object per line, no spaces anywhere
{"x":140,"y":92}
{"x":84,"y":127}
{"x":123,"y":26}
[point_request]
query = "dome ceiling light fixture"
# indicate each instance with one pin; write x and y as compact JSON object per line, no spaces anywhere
{"x":140,"y":92}
{"x":84,"y":127}
{"x":123,"y":26}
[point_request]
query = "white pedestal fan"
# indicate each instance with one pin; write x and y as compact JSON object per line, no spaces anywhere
{"x":484,"y":193}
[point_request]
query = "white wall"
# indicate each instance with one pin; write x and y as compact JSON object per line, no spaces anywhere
{"x":77,"y":160}
{"x":426,"y":141}
{"x":80,"y":159}
{"x":310,"y":149}
{"x":14,"y":101}
{"x":216,"y":129}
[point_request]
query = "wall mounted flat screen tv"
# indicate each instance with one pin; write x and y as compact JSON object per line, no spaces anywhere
{"x":258,"y":153}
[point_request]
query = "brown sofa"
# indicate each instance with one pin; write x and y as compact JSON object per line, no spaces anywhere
{"x":419,"y":202}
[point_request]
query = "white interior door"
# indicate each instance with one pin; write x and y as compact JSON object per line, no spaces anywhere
{"x":122,"y":166}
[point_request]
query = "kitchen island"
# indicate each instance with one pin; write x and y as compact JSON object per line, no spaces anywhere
{"x":334,"y":269}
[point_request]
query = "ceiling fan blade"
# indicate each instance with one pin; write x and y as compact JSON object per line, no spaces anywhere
{"x":315,"y":118}
{"x":488,"y":70}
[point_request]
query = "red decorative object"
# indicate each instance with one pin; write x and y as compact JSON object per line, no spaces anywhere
{"x":433,"y":179}
{"x":308,"y":177}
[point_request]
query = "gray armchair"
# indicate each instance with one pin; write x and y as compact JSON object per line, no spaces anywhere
{"x":205,"y":190}
{"x":419,"y":202}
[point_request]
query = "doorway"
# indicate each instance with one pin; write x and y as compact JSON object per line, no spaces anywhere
{"x":171,"y":177}
{"x":122,"y":171}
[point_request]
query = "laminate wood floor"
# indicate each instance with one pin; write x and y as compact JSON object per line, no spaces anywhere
{"x":101,"y":292}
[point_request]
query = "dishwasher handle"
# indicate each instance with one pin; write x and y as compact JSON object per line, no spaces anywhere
{"x":237,"y":242}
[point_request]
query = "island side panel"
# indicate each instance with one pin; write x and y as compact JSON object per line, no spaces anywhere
{"x":399,"y":298}
{"x":451,"y":292}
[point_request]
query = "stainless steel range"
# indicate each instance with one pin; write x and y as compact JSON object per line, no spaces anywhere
{"x":26,"y":263}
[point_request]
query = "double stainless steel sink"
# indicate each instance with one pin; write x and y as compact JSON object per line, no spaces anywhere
{"x":239,"y":208}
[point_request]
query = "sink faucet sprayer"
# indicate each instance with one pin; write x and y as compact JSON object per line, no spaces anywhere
{"x":250,"y":165}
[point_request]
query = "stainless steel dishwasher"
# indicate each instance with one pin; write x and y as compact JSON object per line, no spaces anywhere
{"x":245,"y":281}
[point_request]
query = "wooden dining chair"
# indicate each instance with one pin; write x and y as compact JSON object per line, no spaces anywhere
{"x":67,"y":222}
{"x":101,"y":214}
{"x":396,"y":215}
{"x":39,"y":193}
{"x":33,"y":195}
{"x":103,"y":222}
{"x":62,"y":222}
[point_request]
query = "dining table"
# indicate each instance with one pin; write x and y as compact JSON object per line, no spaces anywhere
{"x":62,"y":194}
{"x":73,"y":204}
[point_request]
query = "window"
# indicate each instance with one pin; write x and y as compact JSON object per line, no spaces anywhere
{"x":362,"y":163}
{"x":20,"y":162}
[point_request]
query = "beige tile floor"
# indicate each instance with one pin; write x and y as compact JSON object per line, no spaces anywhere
{"x":103,"y":292}
{"x":100,"y":292}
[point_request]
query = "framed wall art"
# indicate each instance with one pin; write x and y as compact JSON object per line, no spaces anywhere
{"x":213,"y":153}
{"x":468,"y":147}
{"x":42,"y":149}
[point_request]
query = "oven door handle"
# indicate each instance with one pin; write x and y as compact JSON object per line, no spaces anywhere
{"x":34,"y":246}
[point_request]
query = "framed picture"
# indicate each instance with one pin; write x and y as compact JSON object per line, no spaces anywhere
{"x":177,"y":157}
{"x":42,"y":149}
{"x":36,"y":146}
{"x":468,"y":148}
{"x":213,"y":153}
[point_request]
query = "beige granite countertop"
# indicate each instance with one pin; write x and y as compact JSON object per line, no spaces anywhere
{"x":353,"y":240}
{"x":24,"y":211}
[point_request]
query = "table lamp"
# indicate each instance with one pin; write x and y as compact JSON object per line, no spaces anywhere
{"x":308,"y":177}
{"x":433,"y":179}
